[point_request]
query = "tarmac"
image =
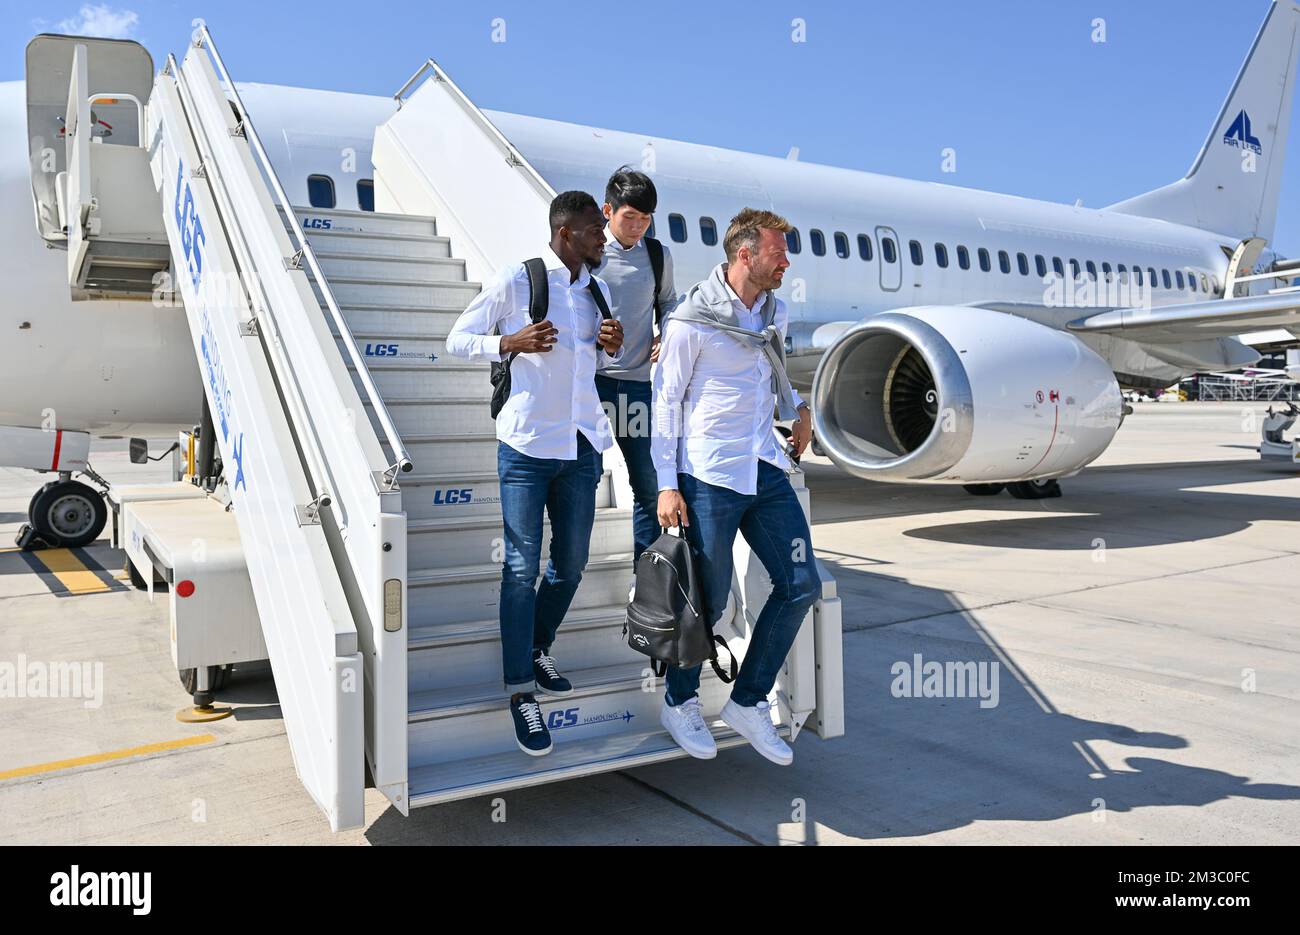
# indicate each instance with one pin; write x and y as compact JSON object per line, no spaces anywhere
{"x":1139,"y":631}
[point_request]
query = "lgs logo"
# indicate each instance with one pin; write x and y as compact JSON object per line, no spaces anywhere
{"x":322,"y":224}
{"x":381,"y":350}
{"x":464,"y":495}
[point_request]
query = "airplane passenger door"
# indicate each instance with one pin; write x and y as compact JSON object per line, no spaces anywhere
{"x":891,"y":264}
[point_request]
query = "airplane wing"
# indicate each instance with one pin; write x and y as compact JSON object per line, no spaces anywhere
{"x":1216,"y":318}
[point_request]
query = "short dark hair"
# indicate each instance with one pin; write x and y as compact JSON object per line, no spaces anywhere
{"x":629,"y":187}
{"x":745,"y":227}
{"x":569,"y":205}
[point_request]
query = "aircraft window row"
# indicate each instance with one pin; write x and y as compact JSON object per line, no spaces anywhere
{"x":1164,"y":277}
{"x":889,"y":253}
{"x":321,"y":194}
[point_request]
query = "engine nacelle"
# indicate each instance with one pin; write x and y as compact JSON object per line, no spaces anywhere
{"x":943,"y":394}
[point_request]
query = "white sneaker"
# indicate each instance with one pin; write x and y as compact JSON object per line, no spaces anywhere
{"x":755,"y":725}
{"x":686,"y":724}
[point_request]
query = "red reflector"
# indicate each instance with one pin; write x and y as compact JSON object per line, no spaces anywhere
{"x":185,"y":588}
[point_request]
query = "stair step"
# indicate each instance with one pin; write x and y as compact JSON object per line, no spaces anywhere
{"x":454,"y":540}
{"x":468,"y":722}
{"x":414,"y":384}
{"x":350,"y":290}
{"x":368,"y":244}
{"x":465,"y":493}
{"x":444,"y":454}
{"x":436,"y":269}
{"x":407,"y":319}
{"x":464,"y":654}
{"x":569,"y":759}
{"x":458,"y":416}
{"x":462,"y":593}
{"x":374,"y":222}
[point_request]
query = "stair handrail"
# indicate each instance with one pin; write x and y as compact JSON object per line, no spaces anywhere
{"x":305,"y":253}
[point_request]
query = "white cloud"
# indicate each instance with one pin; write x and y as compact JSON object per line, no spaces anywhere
{"x":100,"y":19}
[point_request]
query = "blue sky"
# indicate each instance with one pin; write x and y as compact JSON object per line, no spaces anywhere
{"x":1019,"y":90}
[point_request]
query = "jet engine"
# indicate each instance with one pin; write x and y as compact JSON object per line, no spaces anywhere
{"x":962,"y":396}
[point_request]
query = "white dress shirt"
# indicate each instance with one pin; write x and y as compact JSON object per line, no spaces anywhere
{"x":719,"y":390}
{"x":553,"y":393}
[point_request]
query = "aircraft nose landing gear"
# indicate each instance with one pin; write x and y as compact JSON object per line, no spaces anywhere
{"x":63,"y":514}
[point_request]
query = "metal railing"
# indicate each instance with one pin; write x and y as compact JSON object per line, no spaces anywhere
{"x":306,"y":253}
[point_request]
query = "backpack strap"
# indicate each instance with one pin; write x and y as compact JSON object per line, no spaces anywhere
{"x":594,"y":287}
{"x":539,"y":292}
{"x":656,"y":251}
{"x":713,"y":659}
{"x":539,"y":296}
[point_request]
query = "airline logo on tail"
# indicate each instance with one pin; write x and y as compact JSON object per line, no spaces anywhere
{"x":1238,"y":134}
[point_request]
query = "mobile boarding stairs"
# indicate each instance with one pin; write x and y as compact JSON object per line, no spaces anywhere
{"x":362,"y":488}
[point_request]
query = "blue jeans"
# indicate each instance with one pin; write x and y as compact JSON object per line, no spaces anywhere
{"x":566,"y":491}
{"x":772,"y":522}
{"x":629,"y":416}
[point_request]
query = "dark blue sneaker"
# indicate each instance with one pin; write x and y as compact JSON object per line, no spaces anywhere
{"x":530,"y":728}
{"x":549,"y":679}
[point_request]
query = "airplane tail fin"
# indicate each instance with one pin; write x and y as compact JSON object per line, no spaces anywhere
{"x":1232,"y":187}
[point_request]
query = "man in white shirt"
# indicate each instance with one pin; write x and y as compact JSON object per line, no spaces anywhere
{"x":550,"y":433}
{"x":721,"y":469}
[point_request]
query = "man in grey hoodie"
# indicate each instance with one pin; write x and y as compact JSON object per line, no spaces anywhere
{"x":722,"y":469}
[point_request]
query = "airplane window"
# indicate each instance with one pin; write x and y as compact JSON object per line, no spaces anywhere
{"x":889,"y":249}
{"x":366,"y":194}
{"x":841,"y":245}
{"x":792,"y":243}
{"x":677,"y":228}
{"x":1191,"y":280}
{"x":1178,"y":278}
{"x":1004,"y":261}
{"x":1205,"y":285}
{"x":1057,"y":267}
{"x":1074,"y":268}
{"x":984,"y":260}
{"x":1164,"y":277}
{"x":708,"y":231}
{"x":320,"y":191}
{"x":1022,"y":263}
{"x":650,"y":231}
{"x":1092,"y":270}
{"x":1105,"y":271}
{"x":1152,"y":273}
{"x":915,"y":247}
{"x":963,"y":257}
{"x":1137,"y":275}
{"x":1040,"y":264}
{"x":864,"y":246}
{"x":818,"y":241}
{"x":941,"y":255}
{"x":1122,"y":272}
{"x":1214,"y":281}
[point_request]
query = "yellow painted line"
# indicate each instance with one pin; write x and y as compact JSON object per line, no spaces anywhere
{"x":71,"y":571}
{"x":57,"y":765}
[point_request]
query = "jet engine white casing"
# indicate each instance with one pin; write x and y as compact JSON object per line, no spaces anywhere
{"x":1009,"y":399}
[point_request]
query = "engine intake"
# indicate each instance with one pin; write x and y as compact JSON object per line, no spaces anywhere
{"x":962,"y":395}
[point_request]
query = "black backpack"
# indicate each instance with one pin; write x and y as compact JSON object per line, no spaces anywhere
{"x":665,"y":619}
{"x":539,"y":297}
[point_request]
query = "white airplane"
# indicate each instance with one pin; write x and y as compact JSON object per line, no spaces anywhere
{"x":1027,"y":315}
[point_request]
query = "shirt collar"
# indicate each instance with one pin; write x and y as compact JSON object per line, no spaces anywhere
{"x":611,"y":239}
{"x":555,"y":264}
{"x":758,"y":302}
